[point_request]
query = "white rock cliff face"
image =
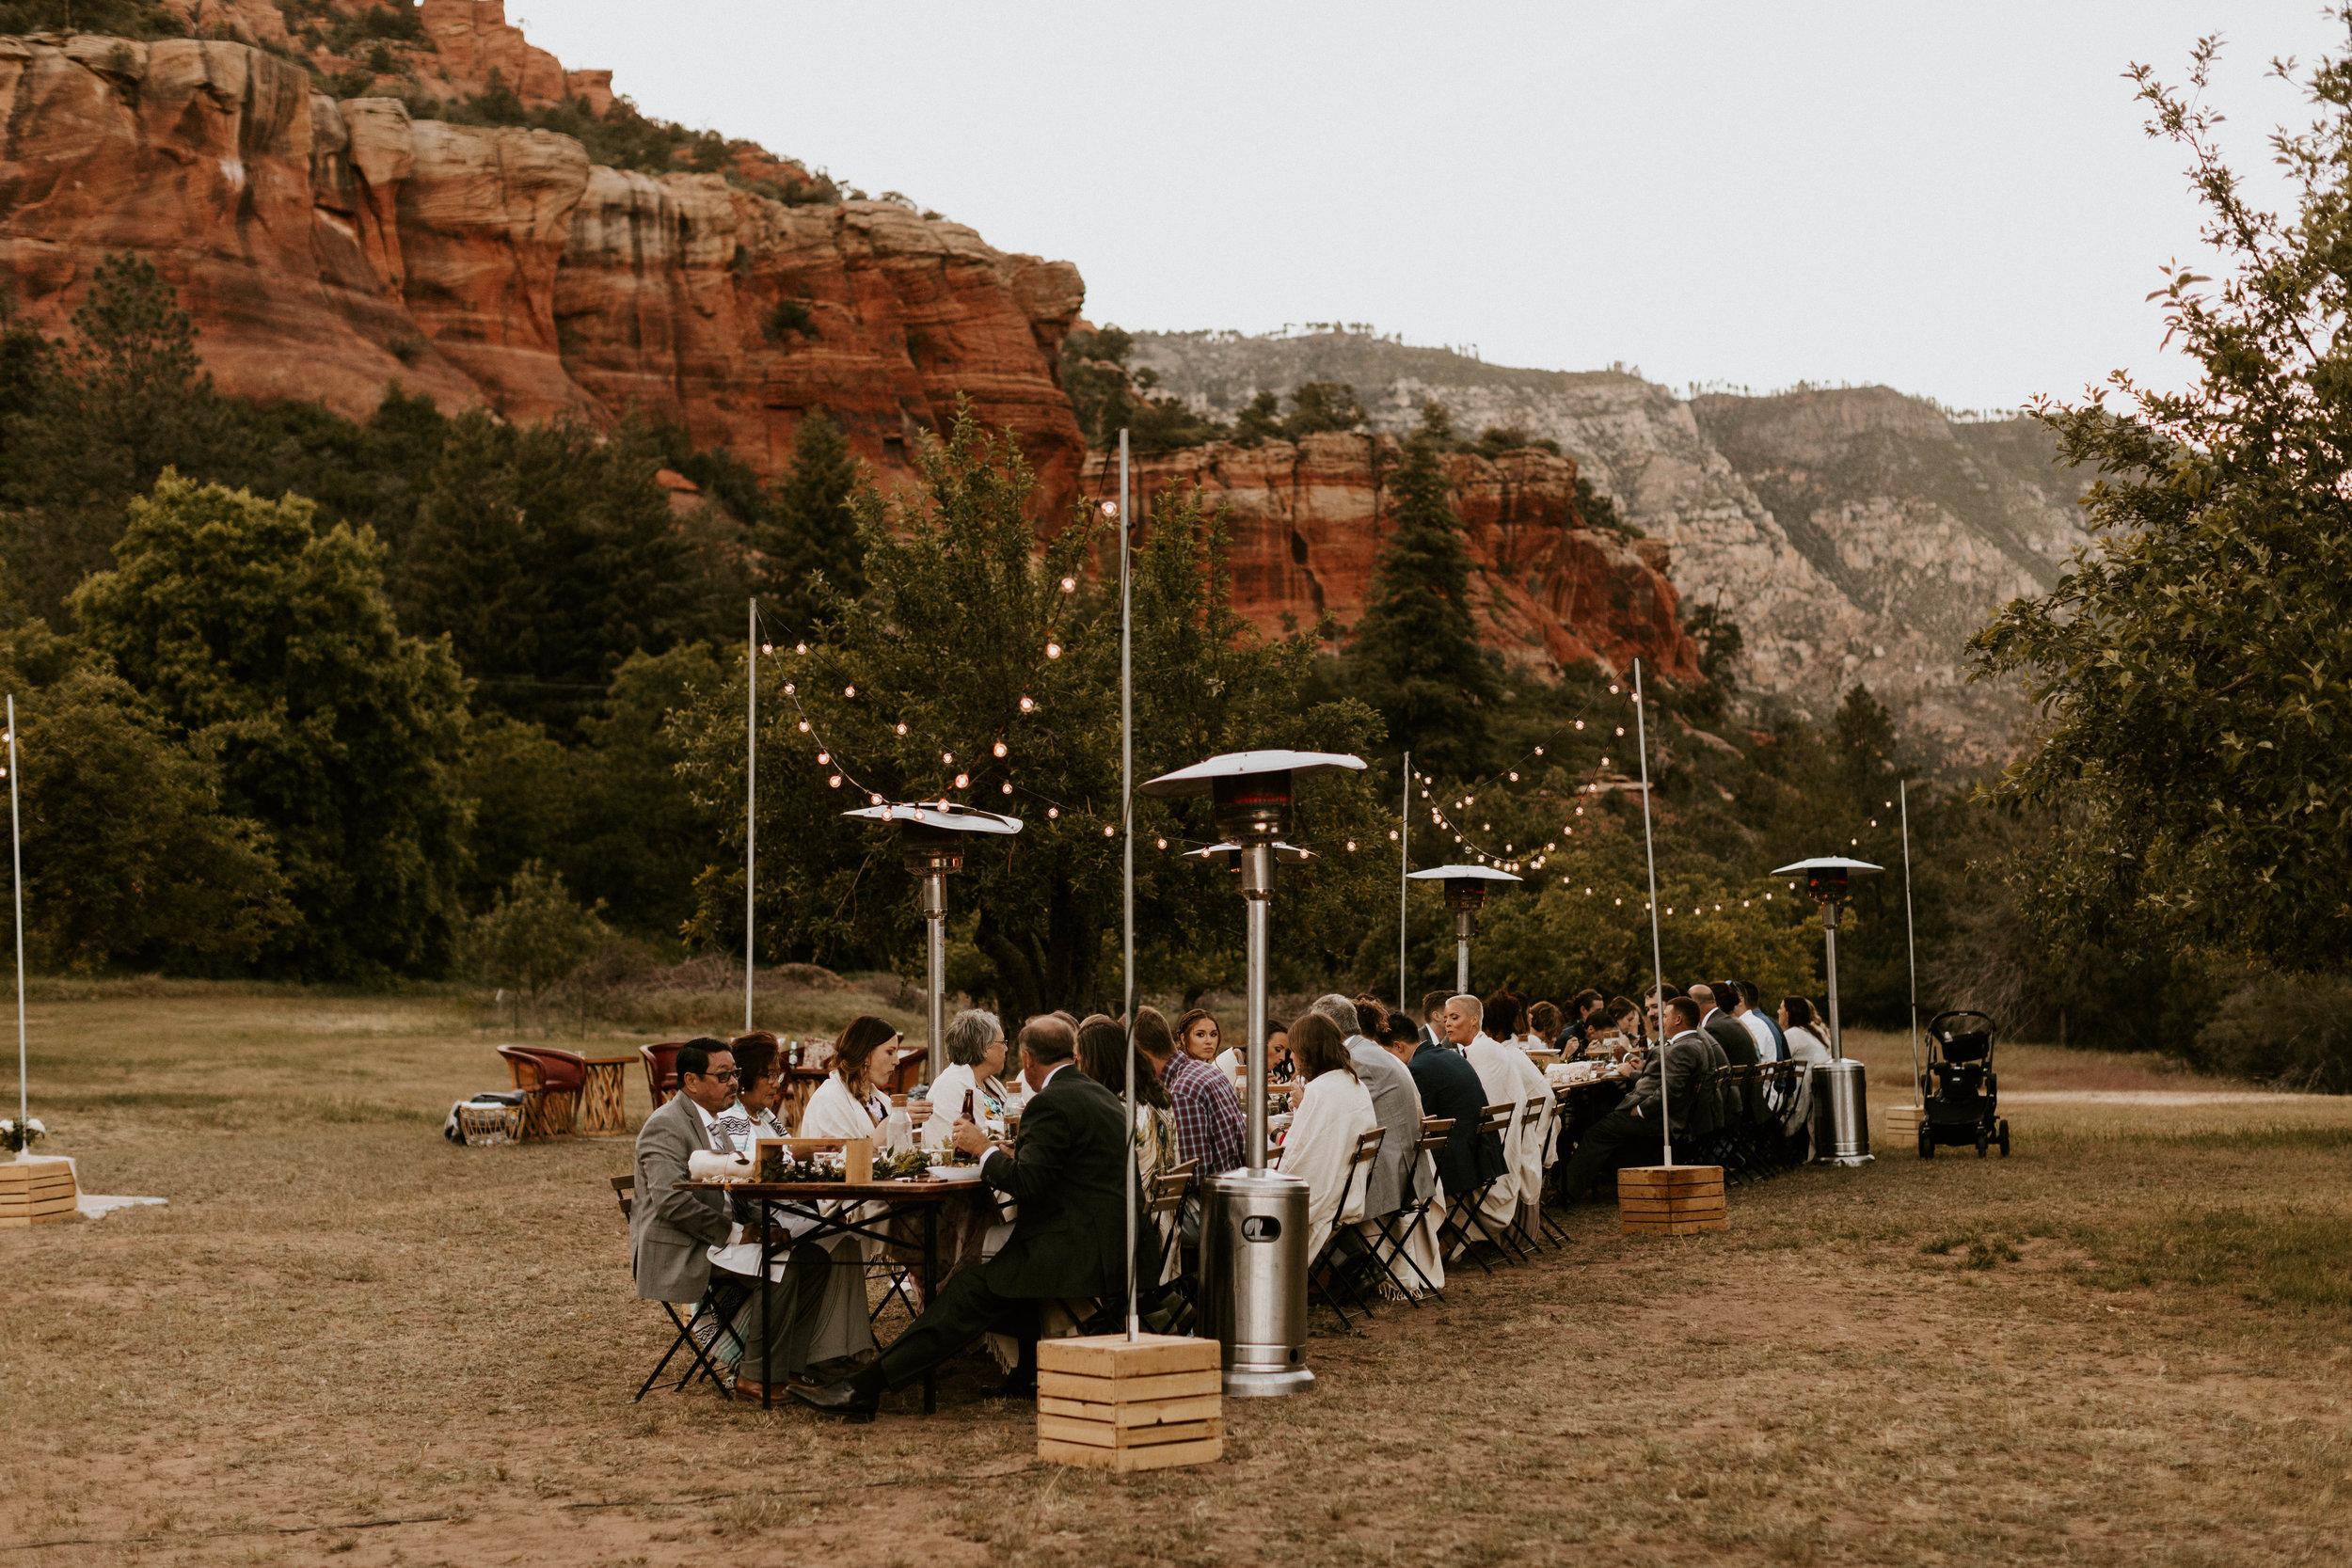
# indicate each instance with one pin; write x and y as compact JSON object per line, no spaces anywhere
{"x":1855,"y":536}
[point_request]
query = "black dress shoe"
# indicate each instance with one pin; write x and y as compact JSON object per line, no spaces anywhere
{"x":1019,"y":1386}
{"x":848,"y":1399}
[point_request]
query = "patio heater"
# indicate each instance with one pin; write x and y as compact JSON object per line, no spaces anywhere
{"x":931,"y":836}
{"x":1466,"y":892}
{"x":1253,"y":1235}
{"x":1842,"y":1113}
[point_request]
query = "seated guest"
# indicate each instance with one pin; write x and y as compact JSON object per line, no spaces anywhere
{"x":1736,"y":1000}
{"x":1233,"y":1062}
{"x":1394,"y":1100}
{"x":672,"y":1234}
{"x":1509,"y":1079}
{"x":1069,"y":1237}
{"x":1804,"y":1045}
{"x":971,"y":1085}
{"x":1433,"y":1019}
{"x":1102,"y":1056}
{"x":1587,"y":1007}
{"x":1335,"y":1110}
{"x":1543,"y":1026}
{"x":759,"y":1091}
{"x":849,"y":1105}
{"x":1209,"y":1124}
{"x":1739,"y":1045}
{"x":1503,"y":1012}
{"x":1450,"y":1091}
{"x":1631,"y":1133}
{"x":1751,"y":1009}
{"x":1198,"y":1035}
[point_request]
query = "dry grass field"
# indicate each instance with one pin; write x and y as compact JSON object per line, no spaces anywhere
{"x":345,"y":1340}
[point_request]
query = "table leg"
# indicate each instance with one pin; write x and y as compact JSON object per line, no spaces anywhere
{"x":930,"y":1294}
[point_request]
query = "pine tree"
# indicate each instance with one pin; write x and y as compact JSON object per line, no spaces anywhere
{"x":809,"y":532}
{"x":1415,"y":656}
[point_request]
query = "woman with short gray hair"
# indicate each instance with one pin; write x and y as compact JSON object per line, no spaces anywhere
{"x":970,"y":1086}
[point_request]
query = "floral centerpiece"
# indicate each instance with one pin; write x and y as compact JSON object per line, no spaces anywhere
{"x":19,"y":1138}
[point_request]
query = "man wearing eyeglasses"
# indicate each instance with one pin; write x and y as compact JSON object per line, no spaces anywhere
{"x":671,"y":1232}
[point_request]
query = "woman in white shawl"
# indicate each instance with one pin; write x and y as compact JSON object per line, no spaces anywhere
{"x":1334,"y":1113}
{"x":849,"y":1105}
{"x":1804,"y":1046}
{"x":971,"y":1085}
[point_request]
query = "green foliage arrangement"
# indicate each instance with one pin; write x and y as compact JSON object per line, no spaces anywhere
{"x":534,"y":934}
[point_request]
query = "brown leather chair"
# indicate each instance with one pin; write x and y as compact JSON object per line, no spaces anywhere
{"x":660,"y":1069}
{"x":553,"y":1080}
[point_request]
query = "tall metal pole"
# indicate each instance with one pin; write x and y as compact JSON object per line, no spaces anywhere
{"x":1256,"y":890}
{"x":1462,"y":922}
{"x":1657,"y":958}
{"x":1911,"y":943}
{"x":16,"y":861}
{"x":1403,"y":885}
{"x":935,"y":968}
{"x":751,"y":794}
{"x":1127,"y":830}
{"x":1829,"y":938}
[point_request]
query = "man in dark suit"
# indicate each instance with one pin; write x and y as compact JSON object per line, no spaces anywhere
{"x":1633,"y":1131}
{"x":1433,"y":1022}
{"x":1450,"y":1089}
{"x":1728,"y":1032}
{"x":1069,"y":1239}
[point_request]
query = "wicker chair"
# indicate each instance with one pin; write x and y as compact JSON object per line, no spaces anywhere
{"x":661,"y":1069}
{"x":552,"y":1080}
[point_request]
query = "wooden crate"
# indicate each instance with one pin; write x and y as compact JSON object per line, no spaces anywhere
{"x":37,"y":1192}
{"x":1110,"y":1405}
{"x":1902,"y":1123}
{"x":1670,"y":1201}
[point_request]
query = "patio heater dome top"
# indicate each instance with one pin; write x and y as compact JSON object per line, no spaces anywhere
{"x":1202,"y":777}
{"x":1829,"y":862}
{"x":943,"y":815}
{"x":1449,"y":873}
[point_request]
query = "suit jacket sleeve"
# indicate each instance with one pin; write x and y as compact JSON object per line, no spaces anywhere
{"x":1046,"y":1137}
{"x":660,"y":1166}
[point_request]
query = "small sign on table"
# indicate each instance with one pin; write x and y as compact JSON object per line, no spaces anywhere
{"x":1111,"y":1404}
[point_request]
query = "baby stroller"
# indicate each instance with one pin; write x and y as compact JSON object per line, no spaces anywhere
{"x":1961,"y":1090}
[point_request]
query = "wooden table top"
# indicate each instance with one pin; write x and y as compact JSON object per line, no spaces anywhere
{"x":913,"y":1190}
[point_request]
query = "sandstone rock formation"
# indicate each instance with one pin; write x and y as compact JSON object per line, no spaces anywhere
{"x":1306,"y":526}
{"x":326,"y":250}
{"x":1852,"y":535}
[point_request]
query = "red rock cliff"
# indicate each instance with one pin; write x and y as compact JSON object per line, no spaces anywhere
{"x":326,"y":250}
{"x":1308,"y":523}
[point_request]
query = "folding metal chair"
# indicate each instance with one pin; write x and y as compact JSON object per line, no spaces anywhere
{"x":1367,"y":1150}
{"x":1532,"y":1115}
{"x":1164,"y":1204}
{"x":1394,"y":1229}
{"x":1496,"y":1119}
{"x":625,"y":1189}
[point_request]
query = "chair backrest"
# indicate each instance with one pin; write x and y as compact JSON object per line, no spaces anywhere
{"x":558,"y":1070}
{"x":625,"y":1188}
{"x":1168,"y":1193}
{"x":1495,"y":1119}
{"x":1367,"y":1146}
{"x":1434,"y":1133}
{"x":531,"y":1074}
{"x":1536,"y":1104}
{"x":661,"y":1069}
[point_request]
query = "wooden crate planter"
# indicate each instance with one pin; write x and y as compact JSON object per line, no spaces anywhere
{"x":1903,"y":1124}
{"x":1670,"y":1201}
{"x":37,"y":1192}
{"x":1109,"y":1404}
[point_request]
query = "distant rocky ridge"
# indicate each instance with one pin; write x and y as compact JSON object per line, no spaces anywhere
{"x":327,"y":247}
{"x":1854,"y":535}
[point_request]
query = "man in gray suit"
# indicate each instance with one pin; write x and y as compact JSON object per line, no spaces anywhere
{"x":1395,"y":1099}
{"x":671,"y":1232}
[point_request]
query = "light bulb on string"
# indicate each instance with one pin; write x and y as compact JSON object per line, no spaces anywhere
{"x":767,"y":647}
{"x":1110,"y":508}
{"x":902,"y":729}
{"x":1027,"y":705}
{"x":1391,"y":835}
{"x":835,"y":781}
{"x":875,"y":799}
{"x":787,"y":689}
{"x":947,"y":758}
{"x":823,"y":758}
{"x":1070,"y":585}
{"x":1000,"y":747}
{"x":1007,"y":786}
{"x":1515,"y":778}
{"x":1351,"y":846}
{"x":849,"y":691}
{"x":1053,"y":811}
{"x":1162,"y":843}
{"x":964,"y":780}
{"x":1052,"y":650}
{"x":800,"y":648}
{"x":1110,"y":833}
{"x":1539,"y":750}
{"x":804,"y":726}
{"x":1580,"y":723}
{"x":1621,"y":731}
{"x":1612,"y":691}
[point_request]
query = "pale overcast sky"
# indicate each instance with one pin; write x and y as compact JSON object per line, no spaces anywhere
{"x":1956,"y":200}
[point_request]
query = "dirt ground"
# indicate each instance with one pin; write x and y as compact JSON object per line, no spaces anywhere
{"x":346,"y":1341}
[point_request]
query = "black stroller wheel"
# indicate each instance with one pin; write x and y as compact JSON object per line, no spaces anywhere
{"x":1926,"y":1144}
{"x":2004,"y":1138}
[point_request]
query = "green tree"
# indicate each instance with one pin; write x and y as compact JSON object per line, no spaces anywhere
{"x":546,"y":554}
{"x":810,"y":530}
{"x":969,"y":639}
{"x":641,"y":839}
{"x":2194,"y":665}
{"x":272,"y":646}
{"x":128,"y":855}
{"x":534,"y":934}
{"x":1414,"y":657}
